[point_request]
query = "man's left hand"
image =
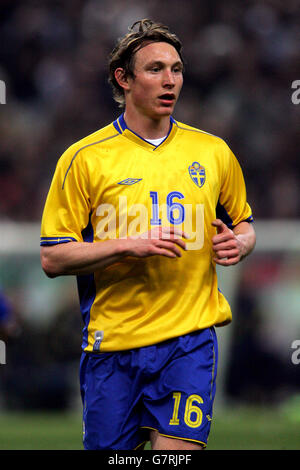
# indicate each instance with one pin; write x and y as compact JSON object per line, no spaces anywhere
{"x":226,"y":245}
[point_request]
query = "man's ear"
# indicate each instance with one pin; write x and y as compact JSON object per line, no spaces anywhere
{"x":122,"y":78}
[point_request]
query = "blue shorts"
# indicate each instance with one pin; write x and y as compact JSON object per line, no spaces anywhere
{"x":168,"y":387}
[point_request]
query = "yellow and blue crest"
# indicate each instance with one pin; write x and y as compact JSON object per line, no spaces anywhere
{"x":197,"y":173}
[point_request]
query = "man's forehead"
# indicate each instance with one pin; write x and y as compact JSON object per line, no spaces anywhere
{"x":157,"y":51}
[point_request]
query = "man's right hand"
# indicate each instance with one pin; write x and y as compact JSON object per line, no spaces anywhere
{"x":80,"y":258}
{"x":163,"y":241}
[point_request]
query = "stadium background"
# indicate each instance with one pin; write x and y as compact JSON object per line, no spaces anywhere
{"x":241,"y":61}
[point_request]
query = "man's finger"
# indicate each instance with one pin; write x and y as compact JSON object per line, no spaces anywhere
{"x":223,"y":232}
{"x":169,"y":245}
{"x":226,"y":245}
{"x":227,"y":261}
{"x":223,"y":254}
{"x":220,"y":226}
{"x":175,"y":231}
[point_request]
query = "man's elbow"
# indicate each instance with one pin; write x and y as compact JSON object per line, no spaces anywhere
{"x":48,"y":266}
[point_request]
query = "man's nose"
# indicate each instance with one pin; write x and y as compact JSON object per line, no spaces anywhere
{"x":168,"y":78}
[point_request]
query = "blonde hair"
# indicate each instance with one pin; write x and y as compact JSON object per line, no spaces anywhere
{"x":140,"y":34}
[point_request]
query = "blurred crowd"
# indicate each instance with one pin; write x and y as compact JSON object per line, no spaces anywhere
{"x":241,"y":60}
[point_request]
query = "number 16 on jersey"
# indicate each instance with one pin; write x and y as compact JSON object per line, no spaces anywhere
{"x":177,"y":213}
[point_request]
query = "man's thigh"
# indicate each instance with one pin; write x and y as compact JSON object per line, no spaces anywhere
{"x":179,"y":403}
{"x":110,"y":396}
{"x":159,"y":442}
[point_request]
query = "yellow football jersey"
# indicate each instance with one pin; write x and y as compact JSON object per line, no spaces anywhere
{"x":113,"y":184}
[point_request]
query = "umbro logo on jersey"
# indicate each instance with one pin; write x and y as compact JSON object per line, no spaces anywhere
{"x":197,"y":173}
{"x":130,"y":181}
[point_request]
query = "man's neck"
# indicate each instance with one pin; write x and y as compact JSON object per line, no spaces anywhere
{"x":147,"y":127}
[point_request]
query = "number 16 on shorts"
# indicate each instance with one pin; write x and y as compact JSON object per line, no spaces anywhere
{"x":192,"y":414}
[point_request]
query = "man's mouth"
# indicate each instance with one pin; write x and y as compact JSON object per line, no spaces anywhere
{"x":167,"y":98}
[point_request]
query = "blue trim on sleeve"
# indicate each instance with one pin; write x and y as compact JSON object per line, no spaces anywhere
{"x":45,"y":241}
{"x":222,"y":214}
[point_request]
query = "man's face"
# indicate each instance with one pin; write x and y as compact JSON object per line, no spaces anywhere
{"x":157,"y":80}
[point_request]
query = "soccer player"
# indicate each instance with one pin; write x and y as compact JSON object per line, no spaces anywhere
{"x":141,"y":212}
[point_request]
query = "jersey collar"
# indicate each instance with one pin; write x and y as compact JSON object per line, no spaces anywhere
{"x":121,"y":126}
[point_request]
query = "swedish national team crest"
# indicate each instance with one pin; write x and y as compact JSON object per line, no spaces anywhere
{"x":197,"y":173}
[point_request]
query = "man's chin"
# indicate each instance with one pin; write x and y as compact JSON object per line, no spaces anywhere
{"x":161,"y":112}
{"x":165,"y":110}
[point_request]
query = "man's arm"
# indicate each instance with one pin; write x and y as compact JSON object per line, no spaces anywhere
{"x":231,"y":246}
{"x":79,"y":258}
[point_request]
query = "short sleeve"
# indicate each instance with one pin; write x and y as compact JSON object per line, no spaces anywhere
{"x":232,"y":207}
{"x":67,"y":208}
